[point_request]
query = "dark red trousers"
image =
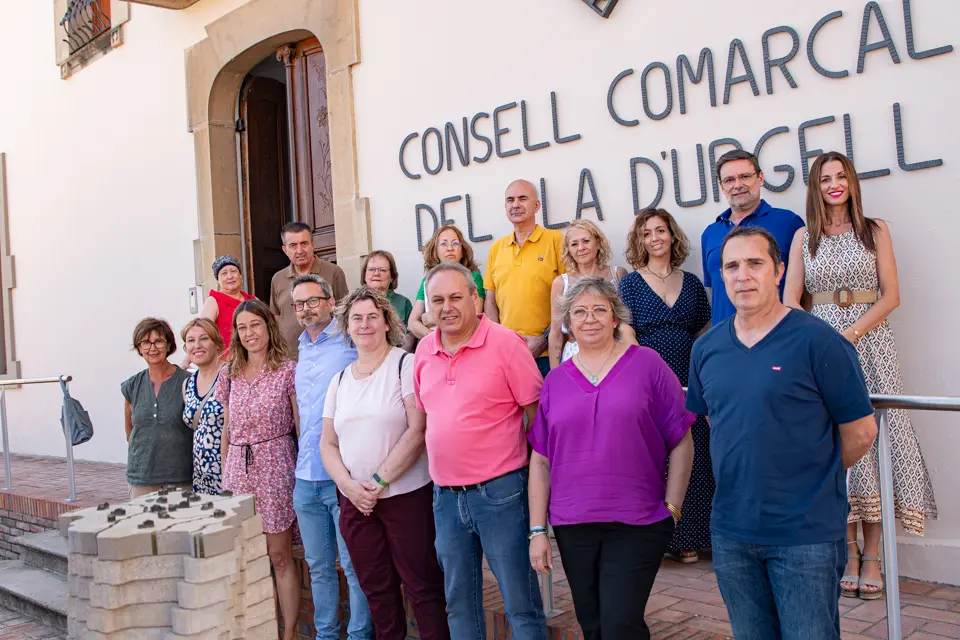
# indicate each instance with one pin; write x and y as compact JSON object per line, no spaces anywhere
{"x":394,"y":546}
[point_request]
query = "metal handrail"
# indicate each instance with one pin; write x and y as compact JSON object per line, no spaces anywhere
{"x":64,"y":381}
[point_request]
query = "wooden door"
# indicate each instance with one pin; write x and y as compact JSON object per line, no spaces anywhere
{"x":307,"y":71}
{"x":263,"y":108}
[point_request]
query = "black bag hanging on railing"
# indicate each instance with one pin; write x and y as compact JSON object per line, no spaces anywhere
{"x":75,"y":418}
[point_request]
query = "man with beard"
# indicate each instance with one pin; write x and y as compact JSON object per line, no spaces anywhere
{"x":297,"y":239}
{"x":475,"y":380}
{"x":521,"y":268}
{"x":323,"y":354}
{"x":741,"y":180}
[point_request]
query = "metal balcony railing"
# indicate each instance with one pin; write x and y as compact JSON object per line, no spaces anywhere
{"x":84,"y":22}
{"x":7,"y":463}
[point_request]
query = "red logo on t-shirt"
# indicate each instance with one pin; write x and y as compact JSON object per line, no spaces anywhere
{"x":776,"y":368}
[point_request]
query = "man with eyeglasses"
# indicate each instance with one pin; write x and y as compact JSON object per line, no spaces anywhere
{"x":323,"y":354}
{"x":297,"y":239}
{"x":741,"y":181}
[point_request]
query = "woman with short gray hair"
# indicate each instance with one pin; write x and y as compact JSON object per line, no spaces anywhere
{"x":609,"y":418}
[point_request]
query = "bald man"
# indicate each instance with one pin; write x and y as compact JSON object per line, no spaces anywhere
{"x":520,"y":271}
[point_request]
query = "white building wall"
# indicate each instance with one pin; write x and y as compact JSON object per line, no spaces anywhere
{"x":102,"y":192}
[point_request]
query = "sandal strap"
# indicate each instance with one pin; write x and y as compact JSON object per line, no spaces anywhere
{"x":871,"y":583}
{"x":850,"y":579}
{"x":873,"y":558}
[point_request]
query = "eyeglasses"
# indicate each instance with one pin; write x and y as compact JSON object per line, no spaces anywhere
{"x":146,"y":345}
{"x":448,"y":245}
{"x":745,"y":178}
{"x":377,"y":270}
{"x":580,"y":313}
{"x":310,"y":303}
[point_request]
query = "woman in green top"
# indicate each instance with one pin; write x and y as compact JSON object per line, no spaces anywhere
{"x":160,"y":446}
{"x":379,"y":271}
{"x":446,"y":245}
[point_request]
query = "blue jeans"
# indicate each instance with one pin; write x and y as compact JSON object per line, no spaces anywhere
{"x":491,"y":521}
{"x":781,"y":592}
{"x":318,"y":512}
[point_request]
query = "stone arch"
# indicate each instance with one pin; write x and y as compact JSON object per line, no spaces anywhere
{"x":215,"y":69}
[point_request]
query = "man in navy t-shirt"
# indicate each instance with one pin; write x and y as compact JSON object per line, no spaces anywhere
{"x":789,"y":411}
{"x":741,"y":180}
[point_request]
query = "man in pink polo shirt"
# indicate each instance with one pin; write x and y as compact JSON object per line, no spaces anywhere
{"x":475,"y":380}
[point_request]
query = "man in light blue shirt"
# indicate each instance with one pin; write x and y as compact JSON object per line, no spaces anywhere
{"x":323,"y":353}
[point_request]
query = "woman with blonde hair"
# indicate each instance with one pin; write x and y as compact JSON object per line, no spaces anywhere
{"x":373,"y":448}
{"x":669,"y":310}
{"x":446,"y":245}
{"x":259,"y":438}
{"x":204,"y":415}
{"x":846,"y":262}
{"x":585,"y":252}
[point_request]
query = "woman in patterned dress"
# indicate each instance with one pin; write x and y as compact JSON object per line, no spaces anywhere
{"x":258,"y":443}
{"x":585,"y":252}
{"x":203,"y":414}
{"x":669,"y":310}
{"x":841,"y":249}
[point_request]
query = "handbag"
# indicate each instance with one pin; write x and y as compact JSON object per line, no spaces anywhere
{"x":74,"y":418}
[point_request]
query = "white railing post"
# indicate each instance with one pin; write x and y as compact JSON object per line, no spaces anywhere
{"x":888,"y":516}
{"x":7,"y":463}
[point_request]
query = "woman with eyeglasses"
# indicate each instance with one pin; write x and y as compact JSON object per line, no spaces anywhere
{"x":608,"y":420}
{"x":446,"y":245}
{"x":379,"y":271}
{"x":159,"y":445}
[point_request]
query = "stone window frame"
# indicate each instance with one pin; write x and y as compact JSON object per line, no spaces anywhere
{"x":8,"y":358}
{"x":102,"y":45}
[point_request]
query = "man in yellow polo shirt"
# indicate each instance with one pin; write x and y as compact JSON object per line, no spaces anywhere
{"x":520,"y":271}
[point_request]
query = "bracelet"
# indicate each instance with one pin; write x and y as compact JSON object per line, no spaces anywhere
{"x":534,"y":534}
{"x":380,"y":481}
{"x":673,"y":510}
{"x":538,"y":528}
{"x":856,"y":334}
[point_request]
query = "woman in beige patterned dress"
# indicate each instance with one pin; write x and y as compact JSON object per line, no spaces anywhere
{"x":846,"y":262}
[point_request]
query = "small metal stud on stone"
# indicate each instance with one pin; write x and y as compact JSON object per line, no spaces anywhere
{"x":157,"y":508}
{"x":162,"y":500}
{"x":172,"y":507}
{"x":219,"y":513}
{"x":146,"y":524}
{"x":194,"y":498}
{"x":118,"y":512}
{"x":227,"y":493}
{"x":163,"y":514}
{"x":183,"y":504}
{"x":206,"y":506}
{"x":103,"y":506}
{"x":111,"y":518}
{"x":163,"y":491}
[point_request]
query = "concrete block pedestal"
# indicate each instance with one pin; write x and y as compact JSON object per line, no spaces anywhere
{"x":168,"y":565}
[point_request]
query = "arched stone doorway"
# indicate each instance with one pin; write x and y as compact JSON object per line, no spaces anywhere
{"x":215,"y":69}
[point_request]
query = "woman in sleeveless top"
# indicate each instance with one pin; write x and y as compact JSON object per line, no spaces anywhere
{"x":669,"y":310}
{"x":220,"y":304}
{"x":203,"y":414}
{"x":259,"y":438}
{"x":446,"y":245}
{"x":846,"y":262}
{"x":585,"y":252}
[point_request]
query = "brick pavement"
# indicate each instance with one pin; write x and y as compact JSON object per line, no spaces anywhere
{"x":14,"y":626}
{"x":685,"y":604}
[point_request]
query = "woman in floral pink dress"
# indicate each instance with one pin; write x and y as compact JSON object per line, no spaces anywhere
{"x":259,"y":438}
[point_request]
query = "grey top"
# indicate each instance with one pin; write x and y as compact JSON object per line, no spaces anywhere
{"x":160,"y":450}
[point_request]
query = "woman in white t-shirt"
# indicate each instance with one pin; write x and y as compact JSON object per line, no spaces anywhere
{"x":373,"y":448}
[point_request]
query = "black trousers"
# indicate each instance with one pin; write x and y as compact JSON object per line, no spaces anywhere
{"x":611,"y":568}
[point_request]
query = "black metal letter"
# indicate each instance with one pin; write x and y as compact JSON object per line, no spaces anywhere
{"x":706,"y":60}
{"x":901,"y":155}
{"x":676,"y":180}
{"x":737,"y":47}
{"x":523,"y":126}
{"x":780,"y":167}
{"x":594,"y":203}
{"x":806,"y":154}
{"x":643,"y":90}
{"x":481,"y":138}
{"x":848,"y":140}
{"x":543,"y":208}
{"x":462,"y":153}
{"x":886,"y":43}
{"x":443,"y":210}
{"x":613,"y":112}
{"x":403,"y":167}
{"x":470,"y":235}
{"x":781,"y":62}
{"x":499,"y":131}
{"x":812,"y":56}
{"x":416,"y":214}
{"x":556,"y":123}
{"x":635,"y":183}
{"x":911,"y":44}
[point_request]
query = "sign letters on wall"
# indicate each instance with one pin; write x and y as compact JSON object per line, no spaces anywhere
{"x":740,"y":76}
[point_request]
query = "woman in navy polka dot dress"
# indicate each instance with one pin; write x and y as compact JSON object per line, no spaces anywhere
{"x":669,"y":310}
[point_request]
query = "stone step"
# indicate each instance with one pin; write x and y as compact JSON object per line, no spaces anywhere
{"x":46,"y":550}
{"x":34,"y":592}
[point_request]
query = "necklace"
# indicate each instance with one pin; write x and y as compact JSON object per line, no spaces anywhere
{"x":593,"y":377}
{"x":356,"y":363}
{"x":657,"y":275}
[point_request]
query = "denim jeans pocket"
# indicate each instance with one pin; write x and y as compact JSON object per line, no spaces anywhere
{"x":504,"y":490}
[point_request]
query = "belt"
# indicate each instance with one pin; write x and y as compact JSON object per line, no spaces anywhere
{"x":248,"y":449}
{"x":844,"y":297}
{"x":460,"y":488}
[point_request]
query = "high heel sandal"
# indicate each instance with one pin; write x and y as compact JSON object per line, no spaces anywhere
{"x":870,"y":594}
{"x":854,"y":590}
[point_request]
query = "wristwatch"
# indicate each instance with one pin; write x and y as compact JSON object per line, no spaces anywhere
{"x":380,"y":481}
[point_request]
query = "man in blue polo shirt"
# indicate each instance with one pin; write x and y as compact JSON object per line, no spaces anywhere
{"x":323,"y":354}
{"x":788,"y":410}
{"x":741,"y":180}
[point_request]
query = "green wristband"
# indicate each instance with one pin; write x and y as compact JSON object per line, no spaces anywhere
{"x":380,"y":481}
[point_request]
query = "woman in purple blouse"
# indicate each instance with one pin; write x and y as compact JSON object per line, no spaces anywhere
{"x":607,"y":422}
